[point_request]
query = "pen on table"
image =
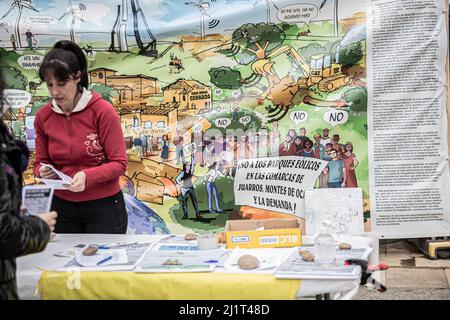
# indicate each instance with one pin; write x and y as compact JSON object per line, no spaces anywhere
{"x":211,"y":261}
{"x":104,"y":260}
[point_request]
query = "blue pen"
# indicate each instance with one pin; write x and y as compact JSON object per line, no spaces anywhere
{"x":211,"y":261}
{"x":104,"y":260}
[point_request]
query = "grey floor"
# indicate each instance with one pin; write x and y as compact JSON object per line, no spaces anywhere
{"x":404,"y":294}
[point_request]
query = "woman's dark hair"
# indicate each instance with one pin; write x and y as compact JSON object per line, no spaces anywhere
{"x":63,"y":62}
{"x":212,"y":166}
{"x":308,"y":142}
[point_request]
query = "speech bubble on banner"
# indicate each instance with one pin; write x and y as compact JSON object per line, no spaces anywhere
{"x":29,"y":62}
{"x":188,"y":149}
{"x":298,"y":13}
{"x":41,"y":20}
{"x":198,"y":128}
{"x":245,"y":120}
{"x":17,"y":98}
{"x":222,"y":122}
{"x":5,"y":25}
{"x":298,"y":116}
{"x":236,"y":93}
{"x":335,"y":117}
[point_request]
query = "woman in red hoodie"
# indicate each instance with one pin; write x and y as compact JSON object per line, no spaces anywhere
{"x":79,"y":134}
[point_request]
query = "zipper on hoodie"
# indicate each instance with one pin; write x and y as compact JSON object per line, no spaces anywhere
{"x":69,"y":126}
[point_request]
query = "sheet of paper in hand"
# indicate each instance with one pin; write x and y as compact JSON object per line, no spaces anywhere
{"x":37,"y":199}
{"x":58,"y":184}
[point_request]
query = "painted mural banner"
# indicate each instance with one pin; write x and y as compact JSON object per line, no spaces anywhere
{"x":212,"y":85}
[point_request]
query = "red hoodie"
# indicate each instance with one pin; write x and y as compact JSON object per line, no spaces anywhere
{"x":89,"y":140}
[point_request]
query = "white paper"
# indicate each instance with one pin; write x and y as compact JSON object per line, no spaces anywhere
{"x":174,"y":239}
{"x":57,"y":184}
{"x":269,"y":258}
{"x":407,"y":52}
{"x":134,"y":252}
{"x":343,"y":207}
{"x":294,"y":267}
{"x":37,"y":199}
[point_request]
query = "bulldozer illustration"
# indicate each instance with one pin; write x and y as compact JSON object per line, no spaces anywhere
{"x":321,"y":71}
{"x":328,"y":76}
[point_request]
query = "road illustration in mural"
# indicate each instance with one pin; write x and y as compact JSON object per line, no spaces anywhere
{"x":216,"y":81}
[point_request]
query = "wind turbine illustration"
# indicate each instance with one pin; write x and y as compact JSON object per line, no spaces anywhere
{"x":202,"y":6}
{"x":335,"y":15}
{"x":20,"y":5}
{"x":74,"y":11}
{"x":268,"y":3}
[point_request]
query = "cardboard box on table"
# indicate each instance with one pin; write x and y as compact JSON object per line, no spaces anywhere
{"x":266,"y":233}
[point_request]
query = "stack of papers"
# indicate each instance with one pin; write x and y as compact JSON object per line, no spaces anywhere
{"x":269,"y":258}
{"x":103,"y":257}
{"x":294,"y":267}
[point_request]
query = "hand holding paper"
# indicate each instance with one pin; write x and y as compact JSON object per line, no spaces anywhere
{"x":50,"y":219}
{"x":47,"y":173}
{"x":49,"y":176}
{"x":78,"y":182}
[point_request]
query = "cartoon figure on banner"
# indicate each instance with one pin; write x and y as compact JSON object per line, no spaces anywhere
{"x":325,"y":139}
{"x":337,"y":177}
{"x":308,"y":150}
{"x":181,"y":45}
{"x":210,"y":152}
{"x":339,"y":147}
{"x":298,"y":145}
{"x":319,"y":148}
{"x":165,"y":148}
{"x":210,"y":180}
{"x":184,"y":180}
{"x":13,"y":41}
{"x":179,"y":153}
{"x":29,"y":36}
{"x":351,"y":163}
{"x":287,"y":148}
{"x":137,"y":146}
{"x":144,"y":140}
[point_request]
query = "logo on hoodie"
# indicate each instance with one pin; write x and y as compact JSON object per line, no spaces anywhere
{"x":93,"y":147}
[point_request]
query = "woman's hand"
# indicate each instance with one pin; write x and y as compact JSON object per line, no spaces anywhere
{"x":47,"y":173}
{"x":78,"y":182}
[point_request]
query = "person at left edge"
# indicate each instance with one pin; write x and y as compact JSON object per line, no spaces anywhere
{"x":79,"y":133}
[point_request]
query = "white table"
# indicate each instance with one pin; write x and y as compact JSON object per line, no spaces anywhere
{"x":29,"y":268}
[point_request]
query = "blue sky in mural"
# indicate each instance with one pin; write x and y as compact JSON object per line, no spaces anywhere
{"x":43,"y":5}
{"x":165,"y":18}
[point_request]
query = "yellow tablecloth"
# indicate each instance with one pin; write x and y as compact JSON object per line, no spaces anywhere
{"x":165,"y":286}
